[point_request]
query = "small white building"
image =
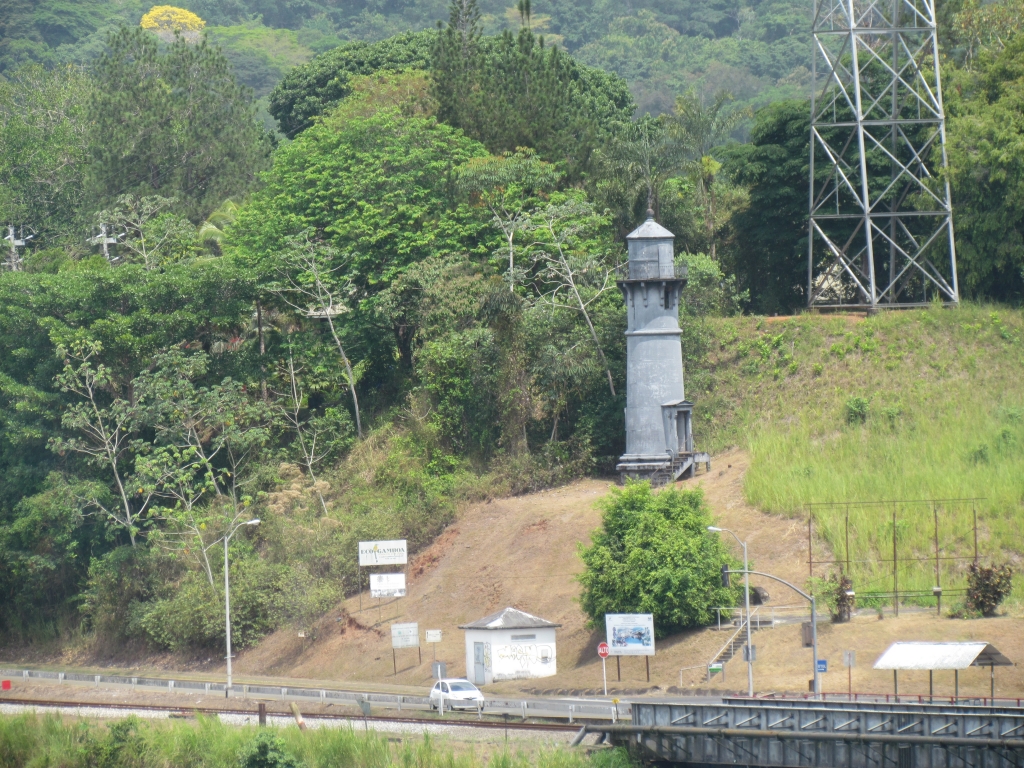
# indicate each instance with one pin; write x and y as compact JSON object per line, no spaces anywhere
{"x":509,"y":645}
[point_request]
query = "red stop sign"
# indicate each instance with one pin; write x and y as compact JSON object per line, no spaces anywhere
{"x":603,"y":650}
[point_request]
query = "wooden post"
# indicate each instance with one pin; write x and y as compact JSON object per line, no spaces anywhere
{"x":931,"y":685}
{"x":938,"y":574}
{"x":618,"y":668}
{"x":974,"y":509}
{"x":895,"y":568}
{"x":956,"y":685}
{"x":359,"y":586}
{"x":261,"y":708}
{"x":992,"y":681}
{"x":849,"y":683}
{"x":647,"y":665}
{"x":420,"y":654}
{"x":394,"y":660}
{"x":896,"y":684}
{"x":810,"y":557}
{"x":847,"y":539}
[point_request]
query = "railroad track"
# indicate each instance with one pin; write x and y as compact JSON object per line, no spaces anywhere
{"x":322,"y":717}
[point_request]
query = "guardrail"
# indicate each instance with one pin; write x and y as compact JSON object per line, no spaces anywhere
{"x":524,"y":708}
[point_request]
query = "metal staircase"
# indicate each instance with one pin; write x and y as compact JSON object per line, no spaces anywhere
{"x":678,"y":466}
{"x":735,"y":643}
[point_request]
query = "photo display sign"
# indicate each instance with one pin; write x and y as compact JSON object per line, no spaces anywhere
{"x":405,"y":635}
{"x":383,"y":553}
{"x":387,"y":585}
{"x":630,"y":634}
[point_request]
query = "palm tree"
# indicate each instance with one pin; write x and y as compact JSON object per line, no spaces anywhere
{"x":699,"y":129}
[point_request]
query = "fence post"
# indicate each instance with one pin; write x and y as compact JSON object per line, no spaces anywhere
{"x":323,"y":699}
{"x":524,"y":711}
{"x":170,"y":684}
{"x":97,"y":681}
{"x":570,"y":714}
{"x":60,"y":678}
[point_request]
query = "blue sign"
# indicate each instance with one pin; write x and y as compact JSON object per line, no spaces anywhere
{"x":822,"y":665}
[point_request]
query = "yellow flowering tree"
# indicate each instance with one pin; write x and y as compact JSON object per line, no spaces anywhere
{"x":166,"y":20}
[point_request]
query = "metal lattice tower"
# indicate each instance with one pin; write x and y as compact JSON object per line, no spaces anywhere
{"x":881,"y":225}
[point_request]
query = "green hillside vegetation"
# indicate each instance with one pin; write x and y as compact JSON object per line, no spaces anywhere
{"x":406,"y":300}
{"x":913,"y":405}
{"x":48,"y":740}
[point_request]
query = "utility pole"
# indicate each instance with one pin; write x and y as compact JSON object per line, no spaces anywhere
{"x":14,"y":261}
{"x":104,"y":241}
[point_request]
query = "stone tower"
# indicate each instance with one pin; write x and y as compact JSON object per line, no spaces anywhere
{"x":659,"y":419}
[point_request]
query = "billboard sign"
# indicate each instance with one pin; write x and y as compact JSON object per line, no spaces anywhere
{"x":383,"y":553}
{"x":405,"y":635}
{"x":387,"y":585}
{"x":630,"y":634}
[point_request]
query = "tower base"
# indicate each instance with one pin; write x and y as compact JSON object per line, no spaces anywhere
{"x":661,"y":470}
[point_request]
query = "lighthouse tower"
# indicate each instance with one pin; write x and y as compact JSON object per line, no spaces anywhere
{"x":659,"y":418}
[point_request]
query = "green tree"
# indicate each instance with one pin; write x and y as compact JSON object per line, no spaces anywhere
{"x":514,"y":91}
{"x":770,"y":257}
{"x":986,"y":172}
{"x":44,"y":150}
{"x":508,"y":186}
{"x":313,"y":89}
{"x":654,"y":554}
{"x":172,"y":123}
{"x":699,"y":128}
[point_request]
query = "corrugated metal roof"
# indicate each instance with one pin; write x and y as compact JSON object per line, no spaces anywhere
{"x":509,"y":618}
{"x":649,"y":230}
{"x":921,"y":655}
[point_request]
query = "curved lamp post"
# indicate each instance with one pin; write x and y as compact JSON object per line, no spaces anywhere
{"x":814,"y":619}
{"x":227,"y":599}
{"x":746,"y":600}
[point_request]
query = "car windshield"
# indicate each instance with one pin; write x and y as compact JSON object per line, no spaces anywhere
{"x":462,"y":687}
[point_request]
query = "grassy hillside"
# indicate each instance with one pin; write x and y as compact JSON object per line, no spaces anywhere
{"x":905,"y":405}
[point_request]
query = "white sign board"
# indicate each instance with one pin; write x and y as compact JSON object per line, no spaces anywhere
{"x":630,"y":634}
{"x":849,"y":658}
{"x":405,"y":635}
{"x":383,"y":553}
{"x":433,"y":635}
{"x":387,"y":585}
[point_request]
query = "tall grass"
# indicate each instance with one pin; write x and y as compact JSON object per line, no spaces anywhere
{"x":48,"y":740}
{"x":944,"y":418}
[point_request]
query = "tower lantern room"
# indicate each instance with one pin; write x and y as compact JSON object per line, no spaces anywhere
{"x":659,"y":418}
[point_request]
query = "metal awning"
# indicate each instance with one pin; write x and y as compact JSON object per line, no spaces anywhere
{"x":931,"y":656}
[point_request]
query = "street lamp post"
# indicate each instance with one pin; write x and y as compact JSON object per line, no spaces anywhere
{"x":814,"y":619}
{"x":227,"y":600}
{"x":746,"y":600}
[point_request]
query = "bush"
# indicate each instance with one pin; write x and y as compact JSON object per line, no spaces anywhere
{"x":831,"y":593}
{"x":987,"y":587}
{"x":266,"y":751}
{"x":654,"y":554}
{"x":856,"y":410}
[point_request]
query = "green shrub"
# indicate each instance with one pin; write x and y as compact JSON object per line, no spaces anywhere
{"x":856,"y":410}
{"x":266,"y":751}
{"x":654,"y":554}
{"x":987,"y":587}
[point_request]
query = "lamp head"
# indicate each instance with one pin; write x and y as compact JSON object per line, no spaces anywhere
{"x":252,"y":522}
{"x":714,"y":530}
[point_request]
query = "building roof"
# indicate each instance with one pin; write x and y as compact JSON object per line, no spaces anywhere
{"x":650,"y":230}
{"x":509,"y":618}
{"x":941,"y":656}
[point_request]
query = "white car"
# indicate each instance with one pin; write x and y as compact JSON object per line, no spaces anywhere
{"x":455,"y":693}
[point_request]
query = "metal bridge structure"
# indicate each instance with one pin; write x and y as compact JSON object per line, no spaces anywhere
{"x":792,"y":734}
{"x":881,"y":223}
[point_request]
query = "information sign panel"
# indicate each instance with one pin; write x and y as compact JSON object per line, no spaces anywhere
{"x":630,"y":634}
{"x":383,"y":552}
{"x":433,"y":635}
{"x":822,"y":666}
{"x":387,"y":585}
{"x":405,"y":635}
{"x":849,"y":658}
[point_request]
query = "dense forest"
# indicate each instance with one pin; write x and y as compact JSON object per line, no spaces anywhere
{"x":338,"y":267}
